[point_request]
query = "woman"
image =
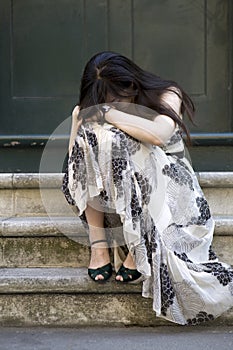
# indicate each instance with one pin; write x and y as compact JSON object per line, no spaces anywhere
{"x":127,"y":168}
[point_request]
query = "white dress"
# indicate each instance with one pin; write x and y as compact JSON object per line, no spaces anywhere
{"x":155,"y":197}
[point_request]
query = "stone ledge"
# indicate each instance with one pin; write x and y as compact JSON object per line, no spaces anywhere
{"x":72,"y":226}
{"x":75,"y":310}
{"x":42,"y":226}
{"x":57,"y":280}
{"x":6,"y":180}
{"x":223,"y":225}
{"x":67,"y":297}
{"x":30,"y":180}
{"x":215,"y":179}
{"x":54,"y":180}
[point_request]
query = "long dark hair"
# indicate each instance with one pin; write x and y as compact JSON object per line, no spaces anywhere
{"x":109,"y":77}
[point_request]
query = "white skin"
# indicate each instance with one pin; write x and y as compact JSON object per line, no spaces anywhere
{"x":155,"y":132}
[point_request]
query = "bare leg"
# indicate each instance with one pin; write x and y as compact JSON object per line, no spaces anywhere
{"x":99,"y":251}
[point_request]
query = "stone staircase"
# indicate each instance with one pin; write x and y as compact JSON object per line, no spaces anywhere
{"x":44,"y":255}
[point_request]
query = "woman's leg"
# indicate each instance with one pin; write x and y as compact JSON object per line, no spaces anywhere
{"x":99,"y":251}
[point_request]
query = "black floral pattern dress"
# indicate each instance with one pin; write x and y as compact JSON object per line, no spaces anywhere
{"x":153,"y":194}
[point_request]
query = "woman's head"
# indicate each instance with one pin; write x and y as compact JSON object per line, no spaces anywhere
{"x":112,"y":77}
{"x":108,"y":77}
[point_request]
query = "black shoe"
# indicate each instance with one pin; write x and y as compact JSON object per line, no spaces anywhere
{"x":105,"y":271}
{"x":129,"y":275}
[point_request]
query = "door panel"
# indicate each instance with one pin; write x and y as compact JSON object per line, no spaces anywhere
{"x":45,"y":44}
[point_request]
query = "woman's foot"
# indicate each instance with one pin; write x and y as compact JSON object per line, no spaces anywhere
{"x":128,"y":271}
{"x":99,"y":259}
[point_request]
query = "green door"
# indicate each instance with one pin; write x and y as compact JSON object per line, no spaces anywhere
{"x":45,"y":44}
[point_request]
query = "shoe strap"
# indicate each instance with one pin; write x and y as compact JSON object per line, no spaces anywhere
{"x":98,"y":241}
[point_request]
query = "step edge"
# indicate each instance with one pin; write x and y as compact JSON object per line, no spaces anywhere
{"x":58,"y":280}
{"x":42,"y":225}
{"x":69,"y":226}
{"x":54,"y":180}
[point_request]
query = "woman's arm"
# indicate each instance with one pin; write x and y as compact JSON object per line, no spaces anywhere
{"x":74,"y":127}
{"x":155,"y":132}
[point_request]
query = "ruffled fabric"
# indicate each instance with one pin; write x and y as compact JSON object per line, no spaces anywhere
{"x":151,"y":196}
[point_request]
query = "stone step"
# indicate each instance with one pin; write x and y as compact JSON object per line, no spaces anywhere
{"x":63,"y":242}
{"x":54,"y":289}
{"x":42,"y":252}
{"x":40,"y":241}
{"x":73,"y":228}
{"x":40,"y":194}
{"x":67,"y":297}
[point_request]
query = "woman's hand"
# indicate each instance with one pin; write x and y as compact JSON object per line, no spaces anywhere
{"x":75,"y":116}
{"x":91,"y":119}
